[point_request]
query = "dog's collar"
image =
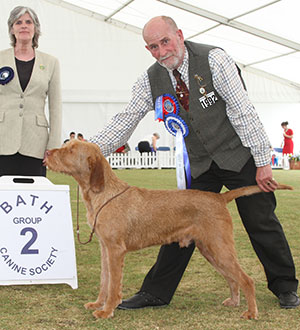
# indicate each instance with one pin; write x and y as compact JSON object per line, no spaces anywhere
{"x":96,"y":216}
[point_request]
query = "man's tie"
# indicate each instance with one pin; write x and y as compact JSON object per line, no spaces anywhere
{"x":182,"y":91}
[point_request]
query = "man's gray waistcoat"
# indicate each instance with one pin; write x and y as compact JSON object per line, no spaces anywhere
{"x":211,"y":135}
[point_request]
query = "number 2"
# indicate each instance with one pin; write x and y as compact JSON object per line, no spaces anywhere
{"x":26,"y":249}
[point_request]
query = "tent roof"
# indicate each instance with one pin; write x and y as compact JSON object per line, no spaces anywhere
{"x":259,"y":34}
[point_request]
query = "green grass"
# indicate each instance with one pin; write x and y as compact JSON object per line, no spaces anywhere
{"x":197,"y":302}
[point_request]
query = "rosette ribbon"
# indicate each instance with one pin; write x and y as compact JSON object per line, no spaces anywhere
{"x":6,"y":75}
{"x":167,"y":109}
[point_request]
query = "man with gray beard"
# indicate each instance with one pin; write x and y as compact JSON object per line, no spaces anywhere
{"x":226,"y":145}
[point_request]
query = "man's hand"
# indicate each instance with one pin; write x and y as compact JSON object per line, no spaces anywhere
{"x":264,"y":178}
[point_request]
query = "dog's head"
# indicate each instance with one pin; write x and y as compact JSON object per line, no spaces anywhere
{"x":80,"y":159}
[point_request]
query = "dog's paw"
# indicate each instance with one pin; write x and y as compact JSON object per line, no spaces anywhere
{"x":231,"y":302}
{"x":103,"y":314}
{"x":250,"y":315}
{"x":93,"y":305}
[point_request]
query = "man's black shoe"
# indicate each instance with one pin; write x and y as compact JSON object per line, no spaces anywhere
{"x":289,"y":300}
{"x":141,"y":300}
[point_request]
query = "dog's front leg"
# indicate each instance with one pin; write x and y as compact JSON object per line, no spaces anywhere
{"x":100,"y":302}
{"x":116,"y":256}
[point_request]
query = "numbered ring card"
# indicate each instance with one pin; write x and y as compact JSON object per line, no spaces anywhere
{"x":36,"y":232}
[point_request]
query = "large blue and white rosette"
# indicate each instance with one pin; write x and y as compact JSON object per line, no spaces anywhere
{"x":167,"y":109}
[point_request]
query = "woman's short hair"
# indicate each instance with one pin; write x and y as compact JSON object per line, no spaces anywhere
{"x":15,"y":14}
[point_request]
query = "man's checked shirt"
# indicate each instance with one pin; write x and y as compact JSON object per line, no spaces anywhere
{"x":227,"y":83}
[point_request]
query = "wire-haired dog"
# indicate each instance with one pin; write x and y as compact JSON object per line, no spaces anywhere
{"x":122,"y":225}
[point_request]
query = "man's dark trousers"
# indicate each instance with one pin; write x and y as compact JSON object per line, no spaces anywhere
{"x":264,"y":230}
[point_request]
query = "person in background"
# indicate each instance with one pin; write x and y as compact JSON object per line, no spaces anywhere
{"x":72,"y":136}
{"x":227,"y":146}
{"x":27,"y":77}
{"x":288,"y":144}
{"x":149,"y":143}
{"x":80,"y":137}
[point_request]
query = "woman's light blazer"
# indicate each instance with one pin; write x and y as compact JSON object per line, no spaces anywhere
{"x":24,"y":126}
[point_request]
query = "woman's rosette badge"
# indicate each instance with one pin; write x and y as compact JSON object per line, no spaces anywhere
{"x":6,"y":75}
{"x":167,"y":110}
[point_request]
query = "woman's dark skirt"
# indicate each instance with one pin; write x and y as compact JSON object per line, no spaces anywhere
{"x":18,"y":164}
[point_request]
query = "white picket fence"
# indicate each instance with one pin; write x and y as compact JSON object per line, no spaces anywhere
{"x":165,"y":159}
{"x":133,"y":159}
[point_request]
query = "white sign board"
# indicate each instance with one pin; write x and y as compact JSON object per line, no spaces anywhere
{"x":36,"y":232}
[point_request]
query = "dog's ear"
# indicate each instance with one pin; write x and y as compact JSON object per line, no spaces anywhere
{"x":97,"y":175}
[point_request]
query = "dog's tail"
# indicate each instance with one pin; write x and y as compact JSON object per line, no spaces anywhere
{"x":246,"y":191}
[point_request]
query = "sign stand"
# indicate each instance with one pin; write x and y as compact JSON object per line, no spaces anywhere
{"x":36,"y":232}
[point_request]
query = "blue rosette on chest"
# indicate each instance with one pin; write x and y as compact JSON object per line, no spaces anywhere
{"x":173,"y":123}
{"x":167,"y":110}
{"x":6,"y":75}
{"x":165,"y":105}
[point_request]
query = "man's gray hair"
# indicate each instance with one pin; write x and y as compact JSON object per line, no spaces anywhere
{"x":15,"y":14}
{"x":168,"y":20}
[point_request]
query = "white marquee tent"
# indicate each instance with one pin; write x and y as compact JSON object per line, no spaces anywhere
{"x":101,"y":53}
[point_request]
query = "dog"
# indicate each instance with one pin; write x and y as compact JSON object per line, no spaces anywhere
{"x":129,"y":218}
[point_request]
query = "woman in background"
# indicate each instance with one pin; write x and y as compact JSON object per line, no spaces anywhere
{"x":288,"y":146}
{"x":27,"y":78}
